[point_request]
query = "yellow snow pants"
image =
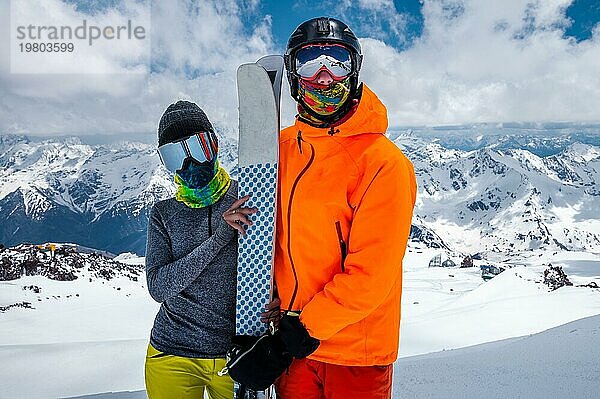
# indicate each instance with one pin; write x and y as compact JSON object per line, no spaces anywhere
{"x":176,"y":377}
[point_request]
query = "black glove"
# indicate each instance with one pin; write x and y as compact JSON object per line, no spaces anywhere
{"x":257,"y":362}
{"x":294,"y":336}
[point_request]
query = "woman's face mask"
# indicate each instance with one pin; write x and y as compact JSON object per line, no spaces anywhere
{"x":196,"y":174}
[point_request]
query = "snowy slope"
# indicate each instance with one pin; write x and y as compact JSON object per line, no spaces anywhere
{"x":447,"y":308}
{"x":79,"y":336}
{"x":79,"y":297}
{"x":563,"y":362}
{"x":89,"y":335}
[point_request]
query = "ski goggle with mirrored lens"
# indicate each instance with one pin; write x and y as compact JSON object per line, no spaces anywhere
{"x":201,"y":147}
{"x":313,"y":58}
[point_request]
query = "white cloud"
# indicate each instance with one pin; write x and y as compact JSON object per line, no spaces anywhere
{"x":196,"y":49}
{"x":469,"y":67}
{"x":206,"y":36}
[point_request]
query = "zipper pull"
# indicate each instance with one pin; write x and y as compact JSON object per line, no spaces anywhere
{"x":332,"y":132}
{"x":300,"y":140}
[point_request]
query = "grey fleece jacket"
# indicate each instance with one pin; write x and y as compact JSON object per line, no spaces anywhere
{"x":191,"y":270}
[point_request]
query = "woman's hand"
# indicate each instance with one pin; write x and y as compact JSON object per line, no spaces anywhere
{"x":235,"y":216}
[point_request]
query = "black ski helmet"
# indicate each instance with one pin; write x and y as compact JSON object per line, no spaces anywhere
{"x":322,"y":30}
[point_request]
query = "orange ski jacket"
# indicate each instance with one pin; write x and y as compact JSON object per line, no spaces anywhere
{"x":345,"y":206}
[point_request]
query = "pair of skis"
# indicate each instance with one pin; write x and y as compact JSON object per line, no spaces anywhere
{"x":259,"y":91}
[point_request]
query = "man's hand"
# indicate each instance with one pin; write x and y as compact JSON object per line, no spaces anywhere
{"x":271,"y":313}
{"x":294,"y":336}
{"x":257,"y":362}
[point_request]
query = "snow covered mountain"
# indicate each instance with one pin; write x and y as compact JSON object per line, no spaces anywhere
{"x":475,"y":193}
{"x":540,"y":139}
{"x":509,"y":199}
{"x":63,"y":190}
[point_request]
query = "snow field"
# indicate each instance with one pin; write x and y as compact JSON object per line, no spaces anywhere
{"x":93,"y":345}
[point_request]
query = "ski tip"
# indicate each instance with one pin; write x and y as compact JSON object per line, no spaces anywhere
{"x":246,"y":66}
{"x":274,"y":61}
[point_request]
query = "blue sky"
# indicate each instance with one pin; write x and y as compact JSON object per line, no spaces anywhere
{"x":432,"y":62}
{"x":286,"y":18}
{"x":584,"y":15}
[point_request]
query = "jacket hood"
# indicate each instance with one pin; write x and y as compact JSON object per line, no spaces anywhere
{"x":370,"y":116}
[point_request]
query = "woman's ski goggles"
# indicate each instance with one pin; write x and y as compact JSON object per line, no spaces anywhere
{"x":201,"y":147}
{"x":313,"y":58}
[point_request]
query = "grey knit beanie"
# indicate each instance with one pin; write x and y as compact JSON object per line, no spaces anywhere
{"x":181,"y":120}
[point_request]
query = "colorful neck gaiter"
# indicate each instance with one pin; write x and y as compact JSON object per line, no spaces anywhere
{"x":323,"y":101}
{"x":310,"y":118}
{"x":196,"y":189}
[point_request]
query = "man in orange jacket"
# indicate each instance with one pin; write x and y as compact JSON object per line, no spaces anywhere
{"x":346,"y":198}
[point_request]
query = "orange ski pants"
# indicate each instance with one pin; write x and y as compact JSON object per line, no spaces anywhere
{"x":311,"y":379}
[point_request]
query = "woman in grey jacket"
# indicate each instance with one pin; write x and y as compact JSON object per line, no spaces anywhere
{"x":191,"y":258}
